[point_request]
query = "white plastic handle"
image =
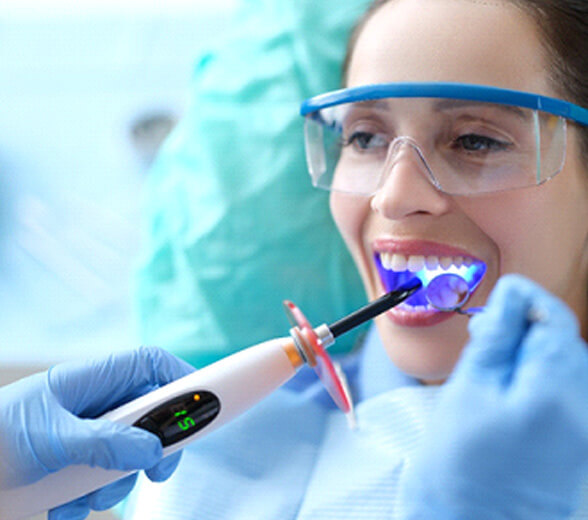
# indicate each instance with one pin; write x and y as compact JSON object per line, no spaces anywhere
{"x":239,"y":381}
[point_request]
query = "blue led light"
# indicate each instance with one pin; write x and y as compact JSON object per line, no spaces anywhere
{"x":471,"y":274}
{"x":391,"y":280}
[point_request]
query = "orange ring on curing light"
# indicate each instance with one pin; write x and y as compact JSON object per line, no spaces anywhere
{"x":314,"y":349}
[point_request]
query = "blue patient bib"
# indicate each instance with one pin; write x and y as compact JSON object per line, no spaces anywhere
{"x":293,"y":456}
{"x":357,"y":471}
{"x":303,"y":463}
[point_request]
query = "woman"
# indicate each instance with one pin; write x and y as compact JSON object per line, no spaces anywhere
{"x":451,"y":186}
{"x":540,"y":231}
{"x":457,"y":183}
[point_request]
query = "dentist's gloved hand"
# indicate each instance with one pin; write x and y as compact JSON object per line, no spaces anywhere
{"x":45,"y":424}
{"x":509,"y":439}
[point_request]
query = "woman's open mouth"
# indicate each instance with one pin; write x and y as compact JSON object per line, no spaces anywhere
{"x":395,"y":269}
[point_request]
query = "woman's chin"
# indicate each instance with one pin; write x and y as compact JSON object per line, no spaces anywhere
{"x":427,"y":353}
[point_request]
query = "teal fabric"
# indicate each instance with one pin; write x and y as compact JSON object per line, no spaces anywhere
{"x":234,"y":226}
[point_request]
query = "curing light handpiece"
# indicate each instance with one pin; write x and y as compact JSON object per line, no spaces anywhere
{"x":195,"y":405}
{"x":373,"y":309}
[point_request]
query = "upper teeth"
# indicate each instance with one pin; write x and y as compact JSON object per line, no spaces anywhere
{"x":414,"y":263}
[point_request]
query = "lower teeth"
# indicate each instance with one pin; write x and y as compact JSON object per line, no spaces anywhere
{"x":414,"y":308}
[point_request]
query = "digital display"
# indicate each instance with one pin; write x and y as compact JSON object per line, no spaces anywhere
{"x":181,"y":416}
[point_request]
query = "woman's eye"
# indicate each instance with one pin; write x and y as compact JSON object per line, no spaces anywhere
{"x":480,"y":143}
{"x":365,"y":140}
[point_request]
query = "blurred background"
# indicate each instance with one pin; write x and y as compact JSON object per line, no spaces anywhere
{"x":88,"y":90}
{"x":98,"y":246}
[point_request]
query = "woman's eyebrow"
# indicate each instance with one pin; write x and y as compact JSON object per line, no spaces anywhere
{"x":372,"y":103}
{"x":446,"y":104}
{"x":451,"y":104}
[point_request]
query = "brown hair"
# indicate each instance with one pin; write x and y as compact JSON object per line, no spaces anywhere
{"x":563,"y":26}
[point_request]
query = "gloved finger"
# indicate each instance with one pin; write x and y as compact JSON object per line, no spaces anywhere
{"x":89,"y":388}
{"x":110,"y":495}
{"x":164,"y":469}
{"x":552,"y":330}
{"x":496,"y":333}
{"x":552,"y":357}
{"x":109,"y":445}
{"x":75,"y":510}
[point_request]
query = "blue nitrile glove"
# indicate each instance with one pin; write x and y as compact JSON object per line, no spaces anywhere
{"x":45,"y":424}
{"x":509,"y":439}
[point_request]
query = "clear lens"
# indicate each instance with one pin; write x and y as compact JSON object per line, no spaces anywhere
{"x":468,"y":147}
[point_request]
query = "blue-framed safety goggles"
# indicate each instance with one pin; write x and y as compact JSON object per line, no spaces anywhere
{"x":468,"y":139}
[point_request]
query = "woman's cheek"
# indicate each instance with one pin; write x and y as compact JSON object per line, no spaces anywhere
{"x":349,"y":213}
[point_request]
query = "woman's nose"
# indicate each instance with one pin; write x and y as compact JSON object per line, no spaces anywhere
{"x":408,"y":185}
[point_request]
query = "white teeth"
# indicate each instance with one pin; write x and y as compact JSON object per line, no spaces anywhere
{"x":432,"y":262}
{"x":414,"y":308}
{"x":386,"y":260}
{"x":414,"y":263}
{"x":445,"y":262}
{"x":399,"y":263}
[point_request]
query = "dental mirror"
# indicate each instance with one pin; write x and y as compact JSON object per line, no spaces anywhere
{"x":449,"y":293}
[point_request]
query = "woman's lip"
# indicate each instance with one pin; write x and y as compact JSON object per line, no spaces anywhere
{"x":410,"y":318}
{"x":417,"y":247}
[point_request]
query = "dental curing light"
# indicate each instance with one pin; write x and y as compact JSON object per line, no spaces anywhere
{"x":189,"y":408}
{"x":311,"y":343}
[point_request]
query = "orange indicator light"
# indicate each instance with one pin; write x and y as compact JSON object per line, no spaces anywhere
{"x":196,"y":397}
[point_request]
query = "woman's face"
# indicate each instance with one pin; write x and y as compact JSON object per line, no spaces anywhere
{"x":540,"y":232}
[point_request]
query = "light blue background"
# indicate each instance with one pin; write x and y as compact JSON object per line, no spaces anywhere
{"x":73,"y":79}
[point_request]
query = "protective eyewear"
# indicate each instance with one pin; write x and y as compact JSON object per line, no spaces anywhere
{"x":467,"y":139}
